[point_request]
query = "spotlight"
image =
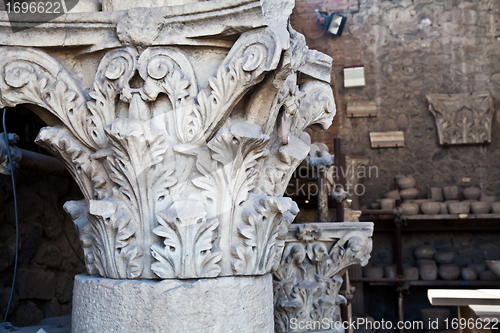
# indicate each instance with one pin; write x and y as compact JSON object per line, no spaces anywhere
{"x":332,"y":23}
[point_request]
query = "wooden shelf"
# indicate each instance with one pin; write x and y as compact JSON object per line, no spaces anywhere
{"x":435,"y":283}
{"x":452,"y":217}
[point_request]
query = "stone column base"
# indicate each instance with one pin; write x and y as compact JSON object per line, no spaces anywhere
{"x":224,"y":304}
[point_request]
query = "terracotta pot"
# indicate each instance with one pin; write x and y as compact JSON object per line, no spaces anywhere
{"x":477,"y":267}
{"x":449,"y":272}
{"x":450,"y":192}
{"x":424,"y":252}
{"x":468,"y":274}
{"x":472,"y":193}
{"x":436,"y":193}
{"x":488,"y":198}
{"x":430,"y":315}
{"x":392,"y":195}
{"x":444,"y":208}
{"x":495,"y":208}
{"x":387,"y":204}
{"x":487,"y":276}
{"x":421,"y":262}
{"x":410,"y":273}
{"x":431,"y":208}
{"x":494,"y":267}
{"x":390,"y":272}
{"x":459,"y":207}
{"x":409,"y":194}
{"x":480,"y":207}
{"x":410,"y":208}
{"x":444,"y":257}
{"x":428,"y":272}
{"x":405,"y":182}
{"x":373,"y":272}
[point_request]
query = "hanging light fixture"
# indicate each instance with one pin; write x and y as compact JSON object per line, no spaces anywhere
{"x":331,"y":22}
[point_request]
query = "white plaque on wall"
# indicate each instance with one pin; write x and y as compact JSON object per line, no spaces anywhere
{"x":354,"y":77}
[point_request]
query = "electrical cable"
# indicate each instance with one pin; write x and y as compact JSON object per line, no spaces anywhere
{"x":15,"y":212}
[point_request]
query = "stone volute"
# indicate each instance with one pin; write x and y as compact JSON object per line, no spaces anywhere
{"x":182,"y":126}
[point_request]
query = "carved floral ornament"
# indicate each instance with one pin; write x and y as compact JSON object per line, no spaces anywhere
{"x":309,"y":276}
{"x":179,"y":182}
{"x":462,"y":118}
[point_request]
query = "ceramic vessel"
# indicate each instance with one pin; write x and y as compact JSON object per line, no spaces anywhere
{"x":449,"y":272}
{"x":387,"y":204}
{"x":472,"y":193}
{"x":375,"y":205}
{"x":373,"y":272}
{"x":459,"y":207}
{"x":424,"y":252}
{"x":432,"y":315}
{"x":444,"y":257}
{"x":428,"y":272}
{"x":410,"y":208}
{"x":468,"y":274}
{"x":450,"y":192}
{"x":477,"y":267}
{"x":409,"y":194}
{"x":405,"y":182}
{"x":436,"y":193}
{"x":421,"y":262}
{"x":410,"y":273}
{"x":487,"y":276}
{"x":495,"y":208}
{"x":431,"y":208}
{"x":392,"y":195}
{"x":444,"y":208}
{"x":390,"y":272}
{"x":494,"y":267}
{"x":480,"y":207}
{"x":488,"y":198}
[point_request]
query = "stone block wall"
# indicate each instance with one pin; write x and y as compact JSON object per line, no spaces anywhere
{"x":411,"y":48}
{"x":47,"y":263}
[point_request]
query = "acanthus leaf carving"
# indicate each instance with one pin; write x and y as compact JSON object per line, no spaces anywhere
{"x":187,"y":250}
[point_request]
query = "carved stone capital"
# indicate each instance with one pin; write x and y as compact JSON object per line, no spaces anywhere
{"x":462,"y":118}
{"x":309,"y":276}
{"x":183,"y":176}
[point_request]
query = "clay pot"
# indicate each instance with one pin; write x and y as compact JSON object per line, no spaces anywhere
{"x":390,"y":272}
{"x":410,"y":208}
{"x":436,"y":193}
{"x":405,"y":182}
{"x":421,"y":262}
{"x":495,"y":208}
{"x":488,"y":198}
{"x":487,"y":276}
{"x":424,"y":252}
{"x":459,"y":207}
{"x":468,"y":274}
{"x":472,"y":193}
{"x":430,"y":315}
{"x":410,"y":273}
{"x":449,"y":272}
{"x":392,"y":195}
{"x":373,"y":272}
{"x":375,"y":205}
{"x":387,"y":204}
{"x":477,"y":267}
{"x":428,"y":272}
{"x":409,"y":194}
{"x":444,"y":208}
{"x":444,"y":257}
{"x":494,"y":267}
{"x":480,"y":207}
{"x":450,"y":192}
{"x":431,"y":208}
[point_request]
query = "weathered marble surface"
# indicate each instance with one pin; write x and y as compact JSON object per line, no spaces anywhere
{"x":182,"y":152}
{"x":309,"y":277}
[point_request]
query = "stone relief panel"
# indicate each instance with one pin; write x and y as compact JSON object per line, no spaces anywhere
{"x":178,"y":181}
{"x":309,"y":276}
{"x":462,"y":118}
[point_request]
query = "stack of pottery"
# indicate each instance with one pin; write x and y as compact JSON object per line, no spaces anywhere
{"x":408,"y":192}
{"x":447,"y":270}
{"x":426,"y":266}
